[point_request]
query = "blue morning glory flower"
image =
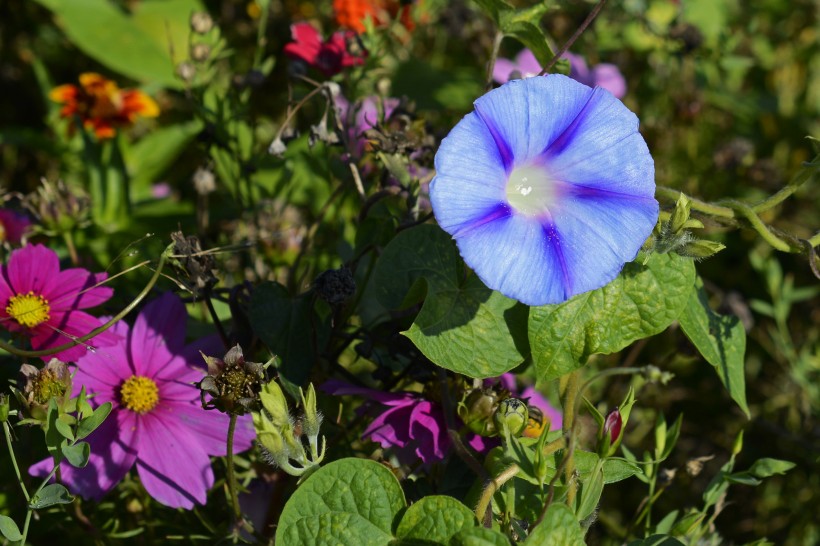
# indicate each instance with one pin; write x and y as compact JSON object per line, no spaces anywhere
{"x":547,"y":188}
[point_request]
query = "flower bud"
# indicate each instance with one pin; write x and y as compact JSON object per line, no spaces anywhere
{"x":201,"y":22}
{"x":512,"y":415}
{"x":313,"y":418}
{"x":477,"y":411}
{"x":612,"y":425}
{"x":274,"y":402}
{"x":60,"y":208}
{"x":700,"y":248}
{"x":681,"y":214}
{"x":232,"y":383}
{"x":4,"y":408}
{"x":40,"y":386}
{"x":335,"y":286}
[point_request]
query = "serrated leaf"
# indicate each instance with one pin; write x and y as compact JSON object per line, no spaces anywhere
{"x":289,"y":327}
{"x":463,"y":325}
{"x":721,"y":340}
{"x":642,"y":301}
{"x":77,"y":454}
{"x":435,"y":518}
{"x":479,"y":536}
{"x":9,"y":529}
{"x":348,"y":502}
{"x":49,"y":496}
{"x":559,"y":528}
{"x":90,"y":423}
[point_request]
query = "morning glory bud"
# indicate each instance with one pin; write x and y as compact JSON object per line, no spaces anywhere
{"x":512,"y":415}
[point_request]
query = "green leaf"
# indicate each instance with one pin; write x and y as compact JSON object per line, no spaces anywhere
{"x":479,"y":536}
{"x":494,"y":8}
{"x":559,"y":528}
{"x":289,"y":327}
{"x":642,"y":301}
{"x":657,"y":540}
{"x":591,"y":491}
{"x":90,"y":423}
{"x":9,"y":529}
{"x":49,"y":496}
{"x":149,"y":158}
{"x":63,"y":426}
{"x":463,"y":325}
{"x":435,"y":518}
{"x":77,"y":454}
{"x":349,"y":502}
{"x":764,"y":468}
{"x":531,"y":36}
{"x":720,"y":339}
{"x":136,"y":44}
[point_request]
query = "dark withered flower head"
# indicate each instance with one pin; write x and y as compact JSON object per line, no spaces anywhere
{"x":190,"y":261}
{"x":41,"y":385}
{"x":232,"y":383}
{"x":335,"y":286}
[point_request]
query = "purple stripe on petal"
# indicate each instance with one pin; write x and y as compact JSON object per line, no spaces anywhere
{"x":500,"y":211}
{"x":587,"y":192}
{"x":503,"y":147}
{"x":569,"y":134}
{"x":553,"y":239}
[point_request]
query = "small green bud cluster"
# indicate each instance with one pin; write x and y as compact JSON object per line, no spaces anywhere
{"x":280,"y":435}
{"x":674,"y":235}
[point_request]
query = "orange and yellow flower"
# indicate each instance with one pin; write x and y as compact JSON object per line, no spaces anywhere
{"x":353,"y":13}
{"x":102,"y":105}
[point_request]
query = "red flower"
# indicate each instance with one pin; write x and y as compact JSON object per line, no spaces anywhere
{"x":353,"y":13}
{"x":102,"y":105}
{"x":330,"y":56}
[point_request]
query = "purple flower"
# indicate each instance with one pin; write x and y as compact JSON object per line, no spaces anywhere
{"x":547,"y":188}
{"x":157,"y":422}
{"x":13,"y":226}
{"x":412,"y":425}
{"x":40,"y":301}
{"x":361,"y":116}
{"x":526,"y":66}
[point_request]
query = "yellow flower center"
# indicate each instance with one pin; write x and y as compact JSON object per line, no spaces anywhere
{"x":139,"y":394}
{"x":28,"y":309}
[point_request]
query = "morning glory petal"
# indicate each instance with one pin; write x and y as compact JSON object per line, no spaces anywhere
{"x":519,"y":257}
{"x":547,"y":188}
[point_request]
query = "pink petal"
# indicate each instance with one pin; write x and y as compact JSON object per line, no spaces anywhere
{"x":391,"y":428}
{"x":428,"y":430}
{"x":178,"y":380}
{"x":112,"y":456}
{"x":211,"y":427}
{"x":76,"y":289}
{"x":173,"y":466}
{"x":158,"y":332}
{"x":502,"y":70}
{"x":31,"y":268}
{"x":63,"y":328}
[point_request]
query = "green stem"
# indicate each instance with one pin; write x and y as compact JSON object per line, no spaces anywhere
{"x":746,"y":211}
{"x":499,"y":36}
{"x":696,"y":204}
{"x":119,"y":316}
{"x":570,"y":405}
{"x":7,"y":431}
{"x":591,"y":17}
{"x":232,"y":486}
{"x":493,"y":486}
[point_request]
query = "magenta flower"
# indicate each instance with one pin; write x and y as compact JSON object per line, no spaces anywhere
{"x":42,"y":302}
{"x":526,"y":65}
{"x":361,"y":116}
{"x":329,"y":56}
{"x":157,"y":422}
{"x":12,"y":226}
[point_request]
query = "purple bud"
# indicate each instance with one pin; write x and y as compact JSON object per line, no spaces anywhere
{"x":612,"y":425}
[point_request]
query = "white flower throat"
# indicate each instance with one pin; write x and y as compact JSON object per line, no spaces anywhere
{"x":530,"y":190}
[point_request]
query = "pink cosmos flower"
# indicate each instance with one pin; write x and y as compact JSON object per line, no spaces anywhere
{"x":329,"y":56}
{"x":12,"y":226}
{"x":157,"y":422}
{"x":526,"y":65}
{"x":40,"y":301}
